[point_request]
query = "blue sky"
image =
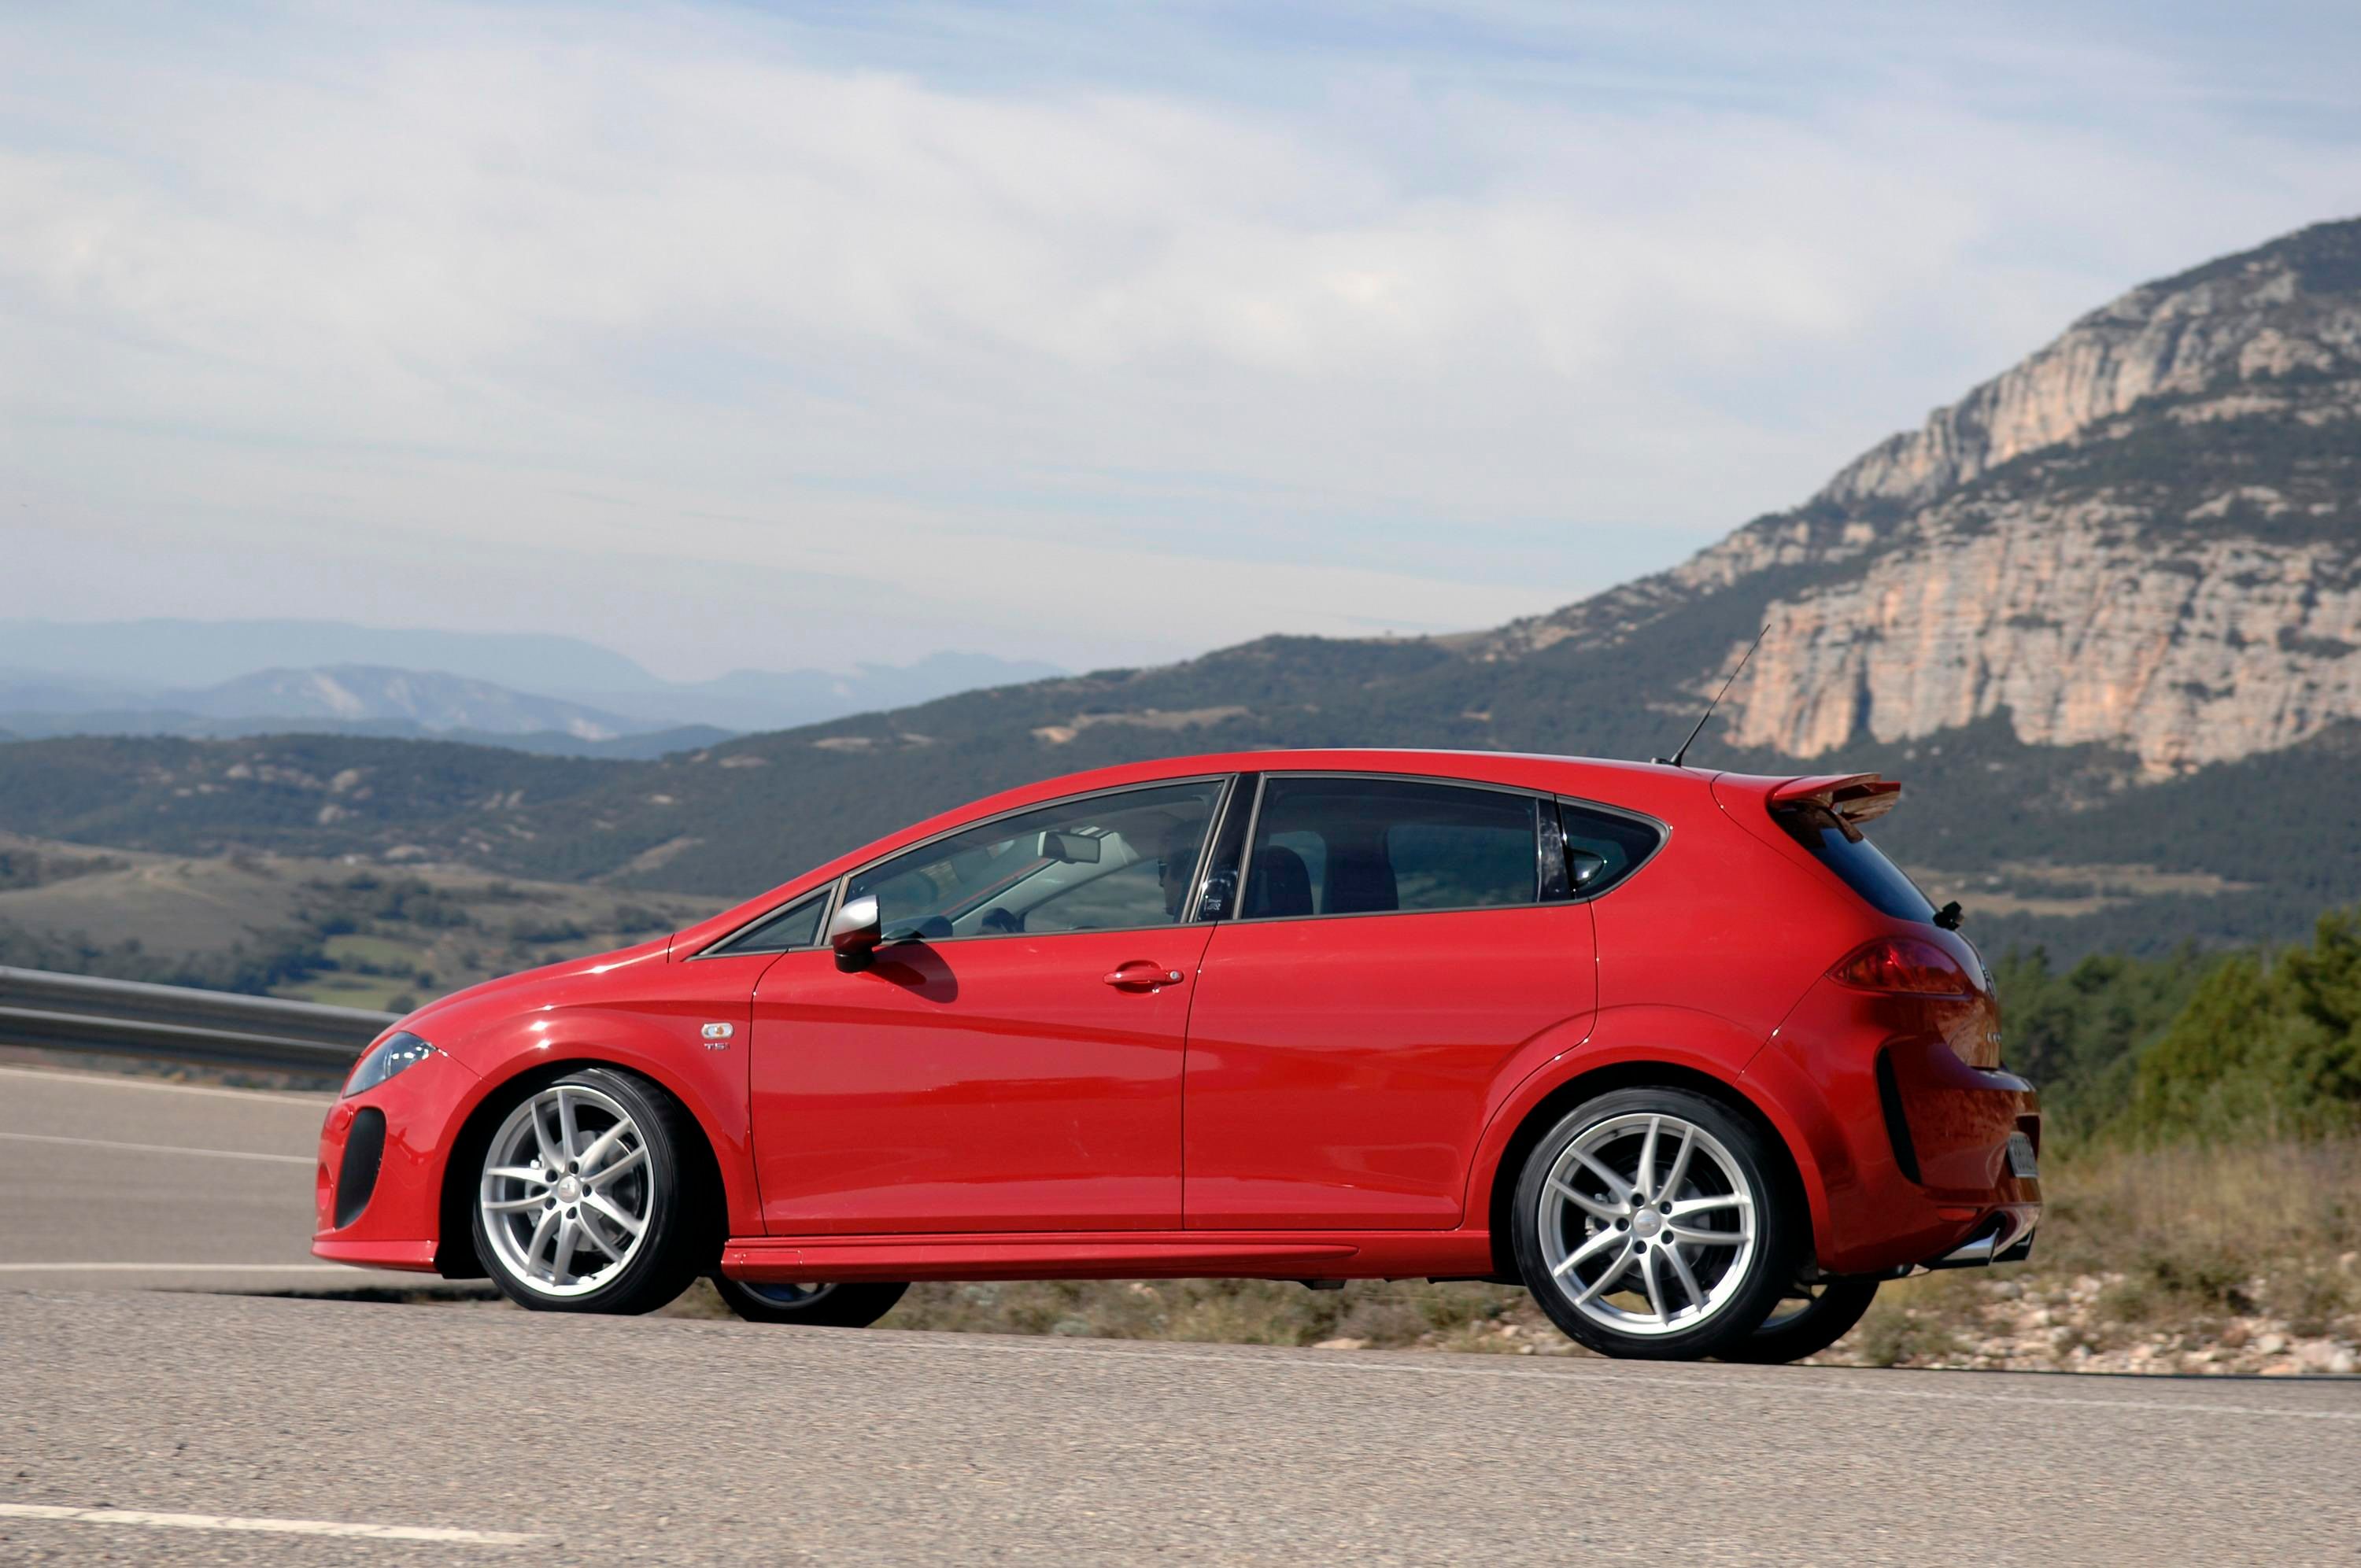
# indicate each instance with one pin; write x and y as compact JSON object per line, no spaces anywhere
{"x":766,"y":334}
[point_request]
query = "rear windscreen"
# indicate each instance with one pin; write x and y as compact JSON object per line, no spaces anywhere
{"x":1879,"y":880}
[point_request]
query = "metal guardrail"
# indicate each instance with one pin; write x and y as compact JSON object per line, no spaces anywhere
{"x":220,"y":1028}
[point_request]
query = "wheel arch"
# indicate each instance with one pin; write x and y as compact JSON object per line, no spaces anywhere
{"x":454,"y":1252}
{"x":1534,"y":1123}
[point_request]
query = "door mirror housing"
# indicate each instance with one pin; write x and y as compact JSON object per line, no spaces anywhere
{"x":855,"y":933}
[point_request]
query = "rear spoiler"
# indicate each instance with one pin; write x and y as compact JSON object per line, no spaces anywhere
{"x":1852,"y":798}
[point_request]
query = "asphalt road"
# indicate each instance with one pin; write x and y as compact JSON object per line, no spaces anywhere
{"x":109,"y":1181}
{"x":137,"y":1426}
{"x":668,"y":1439}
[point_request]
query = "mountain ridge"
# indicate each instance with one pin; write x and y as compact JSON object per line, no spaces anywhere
{"x":2082,"y":541}
{"x":2103,"y":613}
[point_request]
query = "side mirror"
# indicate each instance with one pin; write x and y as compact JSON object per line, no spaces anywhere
{"x":855,"y":933}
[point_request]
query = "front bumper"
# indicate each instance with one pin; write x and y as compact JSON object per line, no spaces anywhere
{"x":378,"y":1188}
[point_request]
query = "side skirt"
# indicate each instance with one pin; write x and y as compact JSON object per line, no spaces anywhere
{"x":415,"y":1255}
{"x":1113,"y":1254}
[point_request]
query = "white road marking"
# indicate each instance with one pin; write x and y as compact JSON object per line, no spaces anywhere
{"x":109,"y":1080}
{"x":267,"y":1525}
{"x":187,"y":1269}
{"x":153,"y":1148}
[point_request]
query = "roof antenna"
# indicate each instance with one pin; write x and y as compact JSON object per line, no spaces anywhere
{"x":1679,"y":758}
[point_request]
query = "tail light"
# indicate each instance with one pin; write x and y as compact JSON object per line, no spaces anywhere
{"x":1903,"y":966}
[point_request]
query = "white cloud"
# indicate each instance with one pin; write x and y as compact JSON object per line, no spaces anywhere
{"x":588,"y":288}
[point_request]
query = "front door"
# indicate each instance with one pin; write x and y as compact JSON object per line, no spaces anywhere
{"x":1011,"y":1062}
{"x":1398,"y":941}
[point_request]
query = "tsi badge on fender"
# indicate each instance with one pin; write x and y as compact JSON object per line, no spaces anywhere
{"x":717,"y":1036}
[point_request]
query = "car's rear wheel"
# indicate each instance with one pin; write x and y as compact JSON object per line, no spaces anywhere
{"x":837,"y":1306}
{"x":589,"y":1199}
{"x":1808,"y":1316}
{"x":1649,"y":1224}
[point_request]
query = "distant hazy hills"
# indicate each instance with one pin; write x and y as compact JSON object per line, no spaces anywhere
{"x":2102,"y":615}
{"x":152,"y":655}
{"x":540,"y":694}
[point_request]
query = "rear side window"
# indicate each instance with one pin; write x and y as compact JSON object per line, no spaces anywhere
{"x":796,"y":925}
{"x":1602,"y":847}
{"x":1364,"y":846}
{"x":1841,"y":849}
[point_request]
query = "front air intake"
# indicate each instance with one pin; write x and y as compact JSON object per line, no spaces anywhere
{"x":357,"y":1176}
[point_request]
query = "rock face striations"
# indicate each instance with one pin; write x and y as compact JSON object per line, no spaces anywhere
{"x":2146,"y":535}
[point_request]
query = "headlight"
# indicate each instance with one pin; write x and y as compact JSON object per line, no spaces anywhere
{"x":395,"y":1053}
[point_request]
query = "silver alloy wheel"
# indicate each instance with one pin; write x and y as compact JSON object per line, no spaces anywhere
{"x":1647,"y":1224}
{"x":567,"y":1190}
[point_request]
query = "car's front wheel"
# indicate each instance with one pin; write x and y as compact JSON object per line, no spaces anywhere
{"x":589,"y":1199}
{"x":839,"y":1306}
{"x":1649,"y":1224}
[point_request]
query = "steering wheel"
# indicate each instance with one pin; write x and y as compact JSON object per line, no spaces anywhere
{"x":1001,"y":921}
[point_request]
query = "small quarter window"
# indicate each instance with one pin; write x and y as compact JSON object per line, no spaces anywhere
{"x":796,"y":925}
{"x":1602,"y":847}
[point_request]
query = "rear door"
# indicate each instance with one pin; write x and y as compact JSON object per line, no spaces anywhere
{"x":1396,"y":941}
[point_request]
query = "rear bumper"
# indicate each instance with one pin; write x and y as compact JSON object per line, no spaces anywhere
{"x":1923,"y":1161}
{"x":2006,"y":1237}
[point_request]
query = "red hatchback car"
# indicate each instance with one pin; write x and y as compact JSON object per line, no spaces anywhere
{"x":1678,"y":1050}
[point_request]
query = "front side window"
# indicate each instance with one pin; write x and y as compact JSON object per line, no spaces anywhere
{"x":1362,"y":846}
{"x":1107,"y":863}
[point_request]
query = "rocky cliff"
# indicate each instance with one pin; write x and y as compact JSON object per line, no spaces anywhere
{"x":2130,"y":560}
{"x":2146,"y":535}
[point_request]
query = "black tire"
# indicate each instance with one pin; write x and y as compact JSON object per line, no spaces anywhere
{"x":678,"y":1240}
{"x":1805,"y":1319}
{"x":843,"y":1306}
{"x":1740,"y":1174}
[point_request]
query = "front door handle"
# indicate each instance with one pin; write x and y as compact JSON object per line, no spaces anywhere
{"x":1141,"y":975}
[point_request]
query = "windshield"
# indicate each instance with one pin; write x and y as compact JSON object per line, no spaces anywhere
{"x":1840,"y":846}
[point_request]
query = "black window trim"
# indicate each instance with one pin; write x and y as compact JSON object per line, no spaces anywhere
{"x":1242,"y":786}
{"x":1254,"y":826}
{"x":833,"y":892}
{"x":1664,"y":837}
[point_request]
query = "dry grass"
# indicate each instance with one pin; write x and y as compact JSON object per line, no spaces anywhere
{"x":2236,"y":1257}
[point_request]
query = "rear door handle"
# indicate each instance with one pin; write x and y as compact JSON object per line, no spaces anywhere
{"x":1141,"y":975}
